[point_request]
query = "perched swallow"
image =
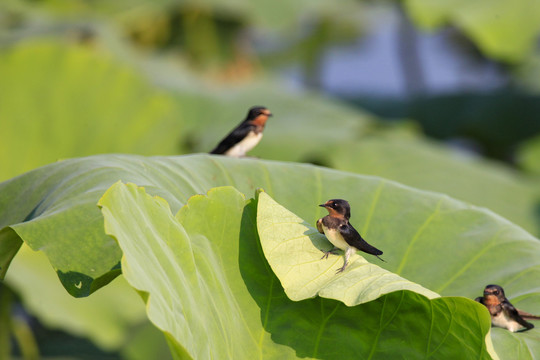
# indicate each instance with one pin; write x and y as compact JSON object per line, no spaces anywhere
{"x":341,"y":233}
{"x":503,"y":313}
{"x":246,"y":135}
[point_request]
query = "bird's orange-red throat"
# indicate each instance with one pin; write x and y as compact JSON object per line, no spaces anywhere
{"x":261,"y":119}
{"x":333,"y":212}
{"x":491,"y":300}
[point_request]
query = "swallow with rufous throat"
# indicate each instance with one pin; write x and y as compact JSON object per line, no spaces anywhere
{"x":341,"y":233}
{"x":246,"y":135}
{"x":503,"y":313}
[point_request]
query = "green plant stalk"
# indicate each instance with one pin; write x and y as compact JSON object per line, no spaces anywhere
{"x":201,"y":38}
{"x":6,"y":299}
{"x":314,"y":51}
{"x":25,"y":338}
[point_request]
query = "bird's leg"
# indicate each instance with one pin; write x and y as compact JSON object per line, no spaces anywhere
{"x":331,"y":251}
{"x":350,"y":250}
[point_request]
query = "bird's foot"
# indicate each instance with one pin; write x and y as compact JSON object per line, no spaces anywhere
{"x":341,"y":269}
{"x":326,"y":253}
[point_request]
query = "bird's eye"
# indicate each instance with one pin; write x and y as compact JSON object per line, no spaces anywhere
{"x":496,"y":292}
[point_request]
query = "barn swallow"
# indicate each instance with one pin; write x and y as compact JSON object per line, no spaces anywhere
{"x":246,"y":135}
{"x":503,"y":313}
{"x":341,"y":233}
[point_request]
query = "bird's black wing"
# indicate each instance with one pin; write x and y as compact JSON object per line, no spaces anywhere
{"x":480,"y":299}
{"x":353,"y":238}
{"x":233,"y":138}
{"x":510,"y":309}
{"x":319,"y":226}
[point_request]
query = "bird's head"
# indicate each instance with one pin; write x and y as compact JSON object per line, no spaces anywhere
{"x":494,"y":290}
{"x":258,"y":115}
{"x":338,"y":208}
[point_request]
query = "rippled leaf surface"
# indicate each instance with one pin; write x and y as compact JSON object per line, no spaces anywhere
{"x":211,"y":290}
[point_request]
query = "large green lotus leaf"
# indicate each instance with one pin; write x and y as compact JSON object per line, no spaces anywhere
{"x":293,"y":249}
{"x":403,"y":222}
{"x":59,"y":101}
{"x":64,"y":197}
{"x":107,"y":318}
{"x":428,"y":166}
{"x":502,"y":29}
{"x":211,"y":290}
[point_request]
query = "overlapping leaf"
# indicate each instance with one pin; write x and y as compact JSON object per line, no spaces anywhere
{"x":193,"y":281}
{"x":210,"y":288}
{"x":293,"y":249}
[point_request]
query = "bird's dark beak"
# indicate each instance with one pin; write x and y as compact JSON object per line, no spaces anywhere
{"x":270,"y":114}
{"x":323,"y":205}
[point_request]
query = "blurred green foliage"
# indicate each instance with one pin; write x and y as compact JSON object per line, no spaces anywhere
{"x":68,"y":101}
{"x":495,"y":122}
{"x":104,"y":321}
{"x":505,"y":30}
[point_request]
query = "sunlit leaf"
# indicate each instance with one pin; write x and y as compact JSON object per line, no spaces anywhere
{"x":191,"y":273}
{"x":211,"y":289}
{"x":293,"y":249}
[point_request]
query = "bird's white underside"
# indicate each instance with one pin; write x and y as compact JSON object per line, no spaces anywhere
{"x":335,"y":238}
{"x":504,"y":321}
{"x":248,"y":143}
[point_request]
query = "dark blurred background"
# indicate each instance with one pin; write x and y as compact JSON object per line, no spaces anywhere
{"x":442,"y":96}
